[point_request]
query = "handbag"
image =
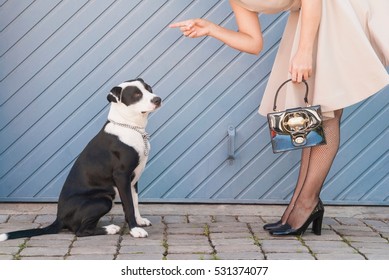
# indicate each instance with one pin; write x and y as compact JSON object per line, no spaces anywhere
{"x":295,"y":128}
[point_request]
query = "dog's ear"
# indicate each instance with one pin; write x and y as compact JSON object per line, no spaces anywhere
{"x":147,"y":87}
{"x":114,"y":95}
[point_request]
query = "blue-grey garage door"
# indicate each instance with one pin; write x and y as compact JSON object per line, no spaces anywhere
{"x":59,"y":59}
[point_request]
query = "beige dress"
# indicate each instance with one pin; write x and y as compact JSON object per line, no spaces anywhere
{"x":351,"y":49}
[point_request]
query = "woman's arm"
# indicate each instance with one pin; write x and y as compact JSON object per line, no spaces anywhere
{"x":301,"y":64}
{"x":248,"y":38}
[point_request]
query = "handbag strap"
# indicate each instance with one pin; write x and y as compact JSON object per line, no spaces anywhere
{"x":284,"y":83}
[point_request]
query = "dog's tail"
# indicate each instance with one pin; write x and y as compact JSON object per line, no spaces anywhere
{"x":54,"y":228}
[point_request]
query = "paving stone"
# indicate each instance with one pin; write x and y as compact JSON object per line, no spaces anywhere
{"x":347,"y":233}
{"x":22,"y":218}
{"x":131,"y":241}
{"x":326,"y":235}
{"x":155,"y":220}
{"x":270,"y":219}
{"x":376,"y":223}
{"x":339,"y":256}
{"x":42,"y":258}
{"x":91,"y":242}
{"x":198,"y":241}
{"x":175,"y":219}
{"x":3,"y":218}
{"x":13,"y":226}
{"x":60,"y":236}
{"x":224,"y":218}
{"x":229,"y":235}
{"x":196,"y":249}
{"x":368,"y":239}
{"x":332,"y":250}
{"x":374,"y":251}
{"x":187,"y":225}
{"x":228,"y":228}
{"x":237,"y":248}
{"x":99,"y":239}
{"x":141,"y":249}
{"x":6,"y":257}
{"x":249,"y":219}
{"x":289,"y":256}
{"x":350,"y":221}
{"x":99,"y":250}
{"x":240,"y":256}
{"x":44,"y":251}
{"x":320,"y":247}
{"x":379,"y":256}
{"x":371,"y":245}
{"x":382,"y":229}
{"x":48,"y":243}
{"x":385,"y":235}
{"x":91,"y":257}
{"x":189,"y":257}
{"x":9,"y":250}
{"x":352,"y":228}
{"x":140,"y":257}
{"x":200,"y":219}
{"x":13,"y":242}
{"x":233,"y":241}
{"x":186,"y":237}
{"x":284,"y":246}
{"x":186,"y":230}
{"x":45,"y":219}
{"x":330,"y":221}
{"x":118,"y":220}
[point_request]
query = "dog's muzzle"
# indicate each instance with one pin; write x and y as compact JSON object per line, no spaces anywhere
{"x":156,"y":101}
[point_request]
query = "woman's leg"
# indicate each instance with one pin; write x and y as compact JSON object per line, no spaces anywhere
{"x":300,"y":181}
{"x":319,"y":164}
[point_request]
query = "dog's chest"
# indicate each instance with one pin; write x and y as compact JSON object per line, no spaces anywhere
{"x":134,"y":139}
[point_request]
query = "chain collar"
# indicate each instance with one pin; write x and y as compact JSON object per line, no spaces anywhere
{"x":140,"y":130}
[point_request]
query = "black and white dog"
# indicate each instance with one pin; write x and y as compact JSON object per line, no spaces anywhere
{"x":115,"y":157}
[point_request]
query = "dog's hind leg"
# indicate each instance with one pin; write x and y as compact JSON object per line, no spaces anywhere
{"x":91,"y":215}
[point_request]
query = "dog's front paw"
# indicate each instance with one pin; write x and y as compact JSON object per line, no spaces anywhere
{"x":142,"y":222}
{"x":138,"y":232}
{"x":112,"y":229}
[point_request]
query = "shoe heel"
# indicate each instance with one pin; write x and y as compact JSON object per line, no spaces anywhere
{"x":317,"y":224}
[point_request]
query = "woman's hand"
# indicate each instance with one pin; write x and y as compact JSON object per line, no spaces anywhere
{"x":301,"y":66}
{"x":194,"y":28}
{"x":247,"y":39}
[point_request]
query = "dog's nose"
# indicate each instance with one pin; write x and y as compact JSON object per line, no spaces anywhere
{"x":157,"y":101}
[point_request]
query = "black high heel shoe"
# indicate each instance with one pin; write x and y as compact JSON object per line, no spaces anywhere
{"x":316,"y":218}
{"x":272,"y":226}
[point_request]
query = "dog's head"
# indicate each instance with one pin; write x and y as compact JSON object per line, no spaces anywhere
{"x":136,"y":95}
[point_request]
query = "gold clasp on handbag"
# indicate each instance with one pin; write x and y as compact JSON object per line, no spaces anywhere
{"x":296,"y":121}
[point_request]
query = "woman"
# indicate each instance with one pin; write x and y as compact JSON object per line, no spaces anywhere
{"x":340,"y":48}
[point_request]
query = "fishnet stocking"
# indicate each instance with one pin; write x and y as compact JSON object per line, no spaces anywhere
{"x":320,"y":159}
{"x":300,"y":181}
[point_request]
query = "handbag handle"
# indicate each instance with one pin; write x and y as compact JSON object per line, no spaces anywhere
{"x":284,"y":83}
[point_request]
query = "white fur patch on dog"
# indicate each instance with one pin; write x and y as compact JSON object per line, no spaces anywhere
{"x":3,"y":237}
{"x":112,"y":229}
{"x":138,"y":232}
{"x":143,"y":222}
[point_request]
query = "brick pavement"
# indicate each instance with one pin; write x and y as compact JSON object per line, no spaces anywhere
{"x":196,"y":232}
